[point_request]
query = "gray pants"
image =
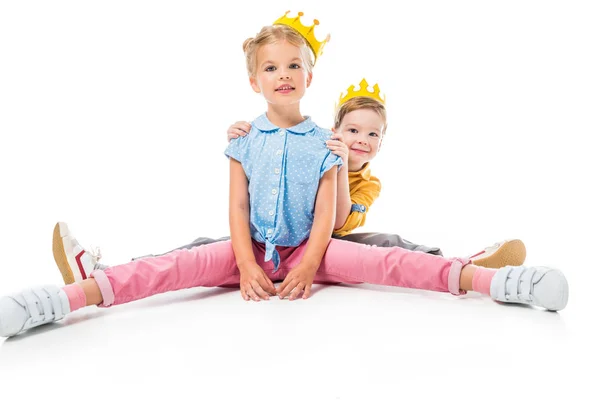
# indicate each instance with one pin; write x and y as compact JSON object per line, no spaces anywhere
{"x":374,"y":239}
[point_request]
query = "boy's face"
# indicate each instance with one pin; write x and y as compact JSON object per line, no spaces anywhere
{"x":362,"y":131}
{"x":281,"y":75}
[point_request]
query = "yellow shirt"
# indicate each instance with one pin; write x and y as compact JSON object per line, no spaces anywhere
{"x":364,"y":189}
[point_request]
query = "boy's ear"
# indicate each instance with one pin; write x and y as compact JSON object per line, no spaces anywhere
{"x":333,"y":129}
{"x":254,"y":85}
{"x":309,"y":80}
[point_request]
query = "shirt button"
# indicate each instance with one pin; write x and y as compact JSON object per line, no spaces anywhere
{"x":279,"y":152}
{"x":271,"y":212}
{"x":274,"y":191}
{"x":269,"y":231}
{"x":281,"y":133}
{"x":276,"y":170}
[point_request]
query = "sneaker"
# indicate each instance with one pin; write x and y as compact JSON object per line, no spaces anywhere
{"x":536,"y":286}
{"x":74,"y":262}
{"x":508,"y":252}
{"x":31,"y":308}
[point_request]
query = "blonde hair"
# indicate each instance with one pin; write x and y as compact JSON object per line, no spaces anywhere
{"x":273,"y":34}
{"x":360,"y":103}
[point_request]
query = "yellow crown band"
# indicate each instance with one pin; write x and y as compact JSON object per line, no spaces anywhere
{"x":307,"y":32}
{"x":363,"y":91}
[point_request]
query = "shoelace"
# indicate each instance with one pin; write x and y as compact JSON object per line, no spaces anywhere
{"x":494,"y":246}
{"x":95,"y":253}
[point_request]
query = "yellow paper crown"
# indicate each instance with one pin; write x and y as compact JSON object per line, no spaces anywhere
{"x":363,"y":91}
{"x":307,"y":32}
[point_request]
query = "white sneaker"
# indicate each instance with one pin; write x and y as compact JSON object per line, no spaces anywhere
{"x":509,"y":252}
{"x":536,"y":286}
{"x":31,"y":308}
{"x":74,"y":262}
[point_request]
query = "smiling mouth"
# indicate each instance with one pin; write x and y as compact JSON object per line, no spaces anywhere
{"x":284,"y":88}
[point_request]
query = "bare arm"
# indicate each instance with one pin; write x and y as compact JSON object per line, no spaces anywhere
{"x":239,"y":214}
{"x":343,"y":202}
{"x":254,"y":282}
{"x":320,"y":234}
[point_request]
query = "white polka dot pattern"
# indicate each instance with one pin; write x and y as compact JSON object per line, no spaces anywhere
{"x":283,"y":167}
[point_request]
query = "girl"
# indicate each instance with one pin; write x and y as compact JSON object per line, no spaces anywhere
{"x":282,"y":211}
{"x":360,"y":124}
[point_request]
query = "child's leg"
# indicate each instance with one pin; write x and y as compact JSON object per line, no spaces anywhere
{"x":350,"y":262}
{"x":391,"y":266}
{"x":77,"y":263}
{"x":209,"y":266}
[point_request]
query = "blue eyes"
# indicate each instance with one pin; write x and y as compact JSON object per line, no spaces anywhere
{"x":272,"y":68}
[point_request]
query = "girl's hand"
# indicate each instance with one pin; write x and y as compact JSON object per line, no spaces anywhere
{"x":299,"y":279}
{"x":338,"y":147}
{"x":240,"y":128}
{"x":254,"y":283}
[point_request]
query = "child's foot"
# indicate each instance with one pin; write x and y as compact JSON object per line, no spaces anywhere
{"x":31,"y":308}
{"x":74,"y":262}
{"x":537,"y":286}
{"x":508,"y":252}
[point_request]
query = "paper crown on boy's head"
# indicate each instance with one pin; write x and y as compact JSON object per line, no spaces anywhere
{"x":307,"y":32}
{"x":363,"y":91}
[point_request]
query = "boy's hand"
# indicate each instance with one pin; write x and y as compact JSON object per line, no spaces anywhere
{"x":240,"y":128}
{"x":254,"y":283}
{"x":299,"y":279}
{"x":338,"y":147}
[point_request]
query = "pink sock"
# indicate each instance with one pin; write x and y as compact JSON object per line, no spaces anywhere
{"x":76,"y":296}
{"x":482,"y":280}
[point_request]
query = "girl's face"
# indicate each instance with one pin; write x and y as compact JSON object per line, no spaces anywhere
{"x":362,"y":132}
{"x":281,"y":75}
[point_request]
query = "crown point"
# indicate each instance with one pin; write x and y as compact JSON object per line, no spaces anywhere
{"x":316,"y":22}
{"x":300,"y":14}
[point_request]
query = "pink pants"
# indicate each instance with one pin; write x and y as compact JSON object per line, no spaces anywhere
{"x":214,"y":265}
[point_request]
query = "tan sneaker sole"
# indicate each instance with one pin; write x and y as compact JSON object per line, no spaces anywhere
{"x":60,"y":257}
{"x":512,"y":252}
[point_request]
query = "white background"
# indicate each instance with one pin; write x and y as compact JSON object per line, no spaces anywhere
{"x":113,"y":117}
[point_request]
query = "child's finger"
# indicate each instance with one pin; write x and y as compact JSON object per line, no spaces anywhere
{"x":267,"y":285}
{"x":288,"y":288}
{"x":251,"y":293}
{"x":296,"y":291}
{"x":259,"y":290}
{"x":306,"y":294}
{"x":337,"y":136}
{"x":244,"y":293}
{"x":242,"y":125}
{"x":285,"y":282}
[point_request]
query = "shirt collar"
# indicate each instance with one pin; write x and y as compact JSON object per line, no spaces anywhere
{"x":364,"y":172}
{"x":263,"y":124}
